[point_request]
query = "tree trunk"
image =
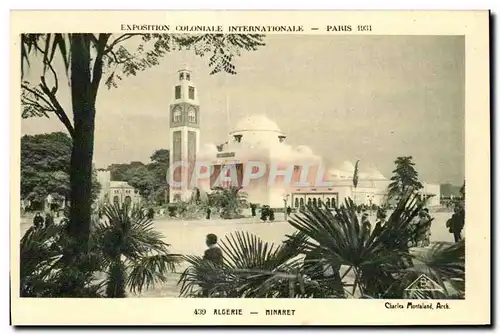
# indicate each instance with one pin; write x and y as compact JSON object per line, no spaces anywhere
{"x":83,"y":102}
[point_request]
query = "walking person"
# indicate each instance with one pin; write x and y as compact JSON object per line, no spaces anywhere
{"x":425,"y":227}
{"x":428,"y":224}
{"x":264,"y":213}
{"x":253,"y":208}
{"x":456,"y":223}
{"x":414,"y":231}
{"x":364,"y":218}
{"x":422,"y":229}
{"x":381,"y":220}
{"x":213,"y":254}
{"x":366,"y":226}
{"x":151,"y":213}
{"x":271,"y":215}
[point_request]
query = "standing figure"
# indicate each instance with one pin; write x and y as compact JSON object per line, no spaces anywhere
{"x":414,"y":231}
{"x":49,"y":220}
{"x":366,"y":226}
{"x":456,"y":223}
{"x":428,"y":222}
{"x":422,"y":229}
{"x":213,"y":253}
{"x":253,"y":207}
{"x":264,"y":213}
{"x":288,"y":210}
{"x":151,"y":214}
{"x":38,"y":220}
{"x":209,"y":211}
{"x":364,"y":220}
{"x":381,"y":217}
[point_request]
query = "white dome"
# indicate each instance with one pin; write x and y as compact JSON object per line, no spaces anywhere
{"x":256,"y":122}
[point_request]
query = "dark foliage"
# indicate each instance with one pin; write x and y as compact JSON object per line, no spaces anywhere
{"x":378,"y":259}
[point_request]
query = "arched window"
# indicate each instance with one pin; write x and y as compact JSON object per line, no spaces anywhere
{"x":328,"y":202}
{"x":296,"y":202}
{"x":301,"y":202}
{"x":177,"y":115}
{"x":192,"y":116}
{"x":128,"y":200}
{"x":116,"y":200}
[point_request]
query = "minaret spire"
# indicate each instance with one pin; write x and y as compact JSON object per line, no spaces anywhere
{"x":184,"y":132}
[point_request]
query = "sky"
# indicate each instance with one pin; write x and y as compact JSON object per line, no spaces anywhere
{"x":371,"y":98}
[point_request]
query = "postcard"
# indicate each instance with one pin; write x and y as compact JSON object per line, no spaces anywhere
{"x":250,"y":168}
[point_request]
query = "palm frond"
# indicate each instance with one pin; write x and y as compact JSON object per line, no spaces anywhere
{"x":341,"y":239}
{"x":128,"y":237}
{"x":251,"y":268}
{"x":38,"y":249}
{"x":148,"y":271}
{"x":205,"y":277}
{"x":445,"y":264}
{"x":127,"y":231}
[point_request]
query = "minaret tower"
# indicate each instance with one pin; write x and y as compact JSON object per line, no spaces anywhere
{"x":184,"y":132}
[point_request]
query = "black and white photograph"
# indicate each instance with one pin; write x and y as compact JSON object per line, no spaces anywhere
{"x":244,"y":161}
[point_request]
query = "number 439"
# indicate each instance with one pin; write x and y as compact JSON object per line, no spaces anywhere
{"x":200,"y":311}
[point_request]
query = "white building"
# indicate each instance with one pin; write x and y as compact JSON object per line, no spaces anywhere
{"x":256,"y":138}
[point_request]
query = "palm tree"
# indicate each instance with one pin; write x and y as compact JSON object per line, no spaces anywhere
{"x":124,"y":246}
{"x":379,"y":259}
{"x":45,"y":272}
{"x":86,"y":59}
{"x":132,"y":254}
{"x":37,"y":259}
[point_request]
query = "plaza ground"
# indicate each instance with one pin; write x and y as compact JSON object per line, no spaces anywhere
{"x":188,"y":237}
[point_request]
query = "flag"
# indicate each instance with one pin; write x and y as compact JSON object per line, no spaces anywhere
{"x":355,"y":176}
